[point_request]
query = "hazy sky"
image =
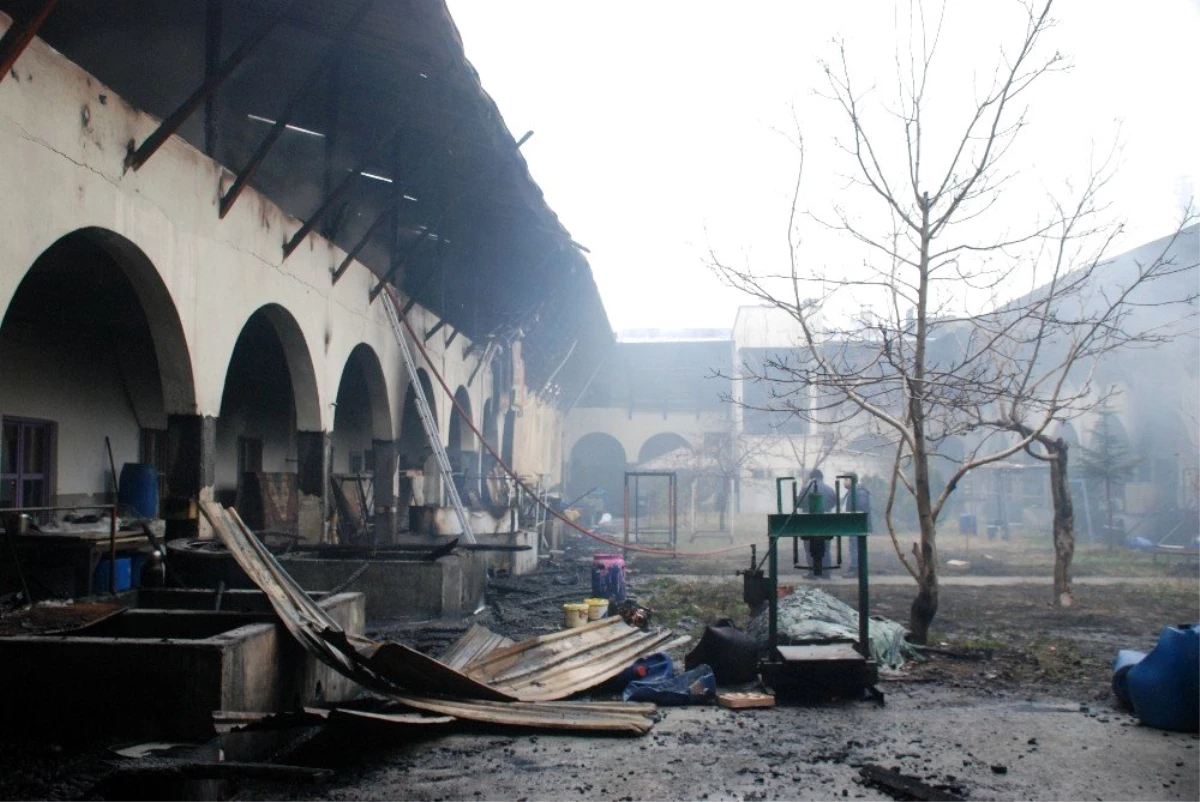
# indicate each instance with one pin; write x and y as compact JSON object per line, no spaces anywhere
{"x":658,"y":126}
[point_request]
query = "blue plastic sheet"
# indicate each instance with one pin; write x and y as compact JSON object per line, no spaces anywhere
{"x":652,"y":666}
{"x":695,"y":687}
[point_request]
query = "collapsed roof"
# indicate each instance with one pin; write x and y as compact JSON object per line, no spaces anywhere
{"x":386,"y":144}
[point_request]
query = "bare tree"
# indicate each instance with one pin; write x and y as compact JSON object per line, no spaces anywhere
{"x":926,"y":369}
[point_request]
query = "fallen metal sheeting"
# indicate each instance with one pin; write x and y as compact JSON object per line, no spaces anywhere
{"x":476,"y":642}
{"x":515,"y":683}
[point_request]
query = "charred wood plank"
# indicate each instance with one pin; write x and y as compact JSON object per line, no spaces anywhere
{"x":905,"y":787}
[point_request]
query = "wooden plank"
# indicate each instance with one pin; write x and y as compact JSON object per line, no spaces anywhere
{"x":539,"y":715}
{"x":393,"y":719}
{"x":824,"y":652}
{"x":741,"y":700}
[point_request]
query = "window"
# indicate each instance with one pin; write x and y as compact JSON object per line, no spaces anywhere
{"x":26,"y":463}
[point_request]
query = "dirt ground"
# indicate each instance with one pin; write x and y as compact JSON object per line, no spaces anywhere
{"x":1013,"y":702}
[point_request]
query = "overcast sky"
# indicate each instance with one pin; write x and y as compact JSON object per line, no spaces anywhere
{"x":658,"y":126}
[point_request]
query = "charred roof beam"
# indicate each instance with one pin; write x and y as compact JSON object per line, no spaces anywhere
{"x":362,"y":243}
{"x":398,"y":264}
{"x":20,"y":33}
{"x":243,"y":178}
{"x":338,"y":193}
{"x":140,"y":155}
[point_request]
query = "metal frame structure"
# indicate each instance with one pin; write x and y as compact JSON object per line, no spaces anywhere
{"x":814,"y":524}
{"x":672,"y":502}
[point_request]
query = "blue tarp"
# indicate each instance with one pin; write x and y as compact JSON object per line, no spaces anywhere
{"x":695,"y":687}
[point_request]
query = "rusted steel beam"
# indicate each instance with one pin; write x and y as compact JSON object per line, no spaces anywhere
{"x":139,"y":156}
{"x":337,"y":194}
{"x":19,"y":35}
{"x":243,"y":178}
{"x":354,"y":252}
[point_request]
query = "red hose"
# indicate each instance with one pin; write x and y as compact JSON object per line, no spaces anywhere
{"x":395,"y":302}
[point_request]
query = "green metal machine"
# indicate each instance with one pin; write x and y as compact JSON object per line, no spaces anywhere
{"x":815,"y":668}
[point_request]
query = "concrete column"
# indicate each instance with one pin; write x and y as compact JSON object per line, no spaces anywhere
{"x":312,"y":482}
{"x":385,"y":491}
{"x":191,"y":455}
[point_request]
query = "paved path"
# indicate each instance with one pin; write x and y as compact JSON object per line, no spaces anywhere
{"x":796,"y":578}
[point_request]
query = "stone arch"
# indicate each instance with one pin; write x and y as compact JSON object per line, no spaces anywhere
{"x":489,"y":425}
{"x":361,"y":412}
{"x":93,"y":348}
{"x":269,"y":405}
{"x":1067,"y":432}
{"x":413,"y":449}
{"x":660,"y":444}
{"x":462,"y":446}
{"x":508,"y":450}
{"x":461,"y":437}
{"x":597,"y":470}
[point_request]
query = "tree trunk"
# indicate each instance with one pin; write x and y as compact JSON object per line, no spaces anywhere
{"x":1064,"y":523}
{"x":924,"y":606}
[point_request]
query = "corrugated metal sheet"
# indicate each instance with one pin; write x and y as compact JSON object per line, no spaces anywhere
{"x":504,"y":684}
{"x":566,"y":662}
{"x":476,"y":642}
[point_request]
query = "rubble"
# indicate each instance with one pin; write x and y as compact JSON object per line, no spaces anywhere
{"x":519,"y":684}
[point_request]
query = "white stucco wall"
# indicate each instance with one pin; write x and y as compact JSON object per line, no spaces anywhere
{"x":63,"y":139}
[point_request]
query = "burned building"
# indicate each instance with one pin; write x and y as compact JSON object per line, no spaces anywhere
{"x":207,"y":203}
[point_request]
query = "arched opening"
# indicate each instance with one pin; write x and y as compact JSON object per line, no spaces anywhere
{"x":269,"y":421}
{"x":360,"y":446}
{"x":421,"y":481}
{"x":661,"y":445}
{"x":361,"y":414}
{"x":92,"y":350}
{"x":596,"y":476}
{"x":1067,"y":432}
{"x":414,"y":449}
{"x":462,"y":448}
{"x":509,"y":448}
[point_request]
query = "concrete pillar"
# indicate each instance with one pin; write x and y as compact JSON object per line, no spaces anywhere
{"x":191,"y":456}
{"x":312,"y":482}
{"x":385,"y":491}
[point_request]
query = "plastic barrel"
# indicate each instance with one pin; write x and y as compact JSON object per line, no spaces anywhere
{"x":1165,"y":685}
{"x":608,"y":576}
{"x":124,"y":575}
{"x":138,"y":489}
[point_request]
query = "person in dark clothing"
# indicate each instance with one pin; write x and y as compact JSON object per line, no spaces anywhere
{"x":815,"y":551}
{"x":862,"y":503}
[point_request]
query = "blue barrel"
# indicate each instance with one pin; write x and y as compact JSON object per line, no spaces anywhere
{"x":138,"y":490}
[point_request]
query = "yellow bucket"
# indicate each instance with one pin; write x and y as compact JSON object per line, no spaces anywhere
{"x":574,"y":615}
{"x":596,"y":608}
